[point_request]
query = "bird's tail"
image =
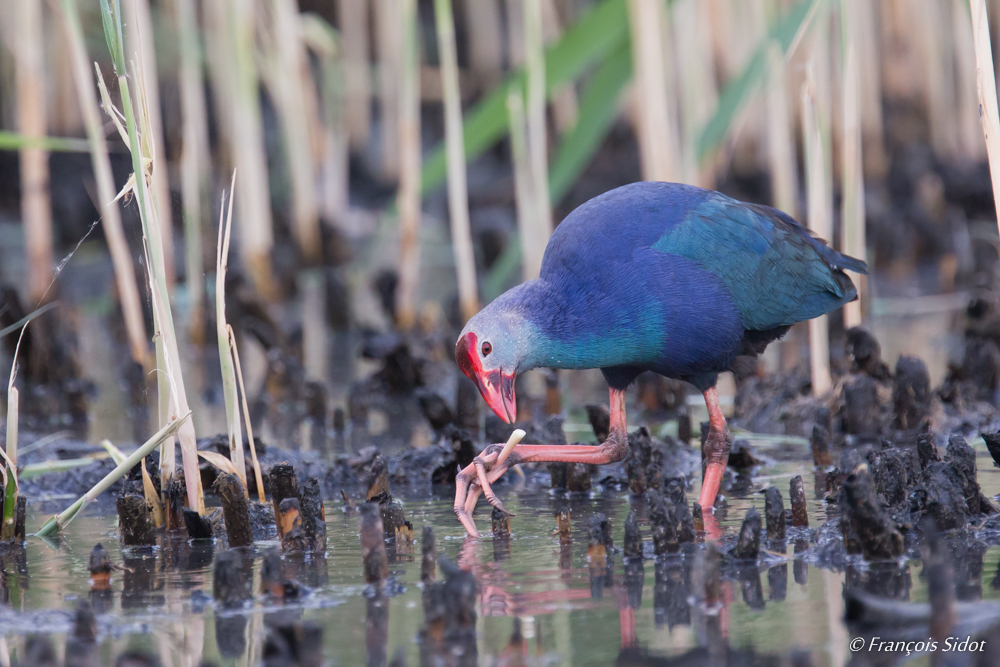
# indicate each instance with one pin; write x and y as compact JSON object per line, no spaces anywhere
{"x":846,"y":262}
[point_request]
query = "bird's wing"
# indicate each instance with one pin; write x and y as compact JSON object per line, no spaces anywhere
{"x":777,"y":272}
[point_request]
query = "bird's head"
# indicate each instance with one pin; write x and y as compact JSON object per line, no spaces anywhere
{"x":490,"y":352}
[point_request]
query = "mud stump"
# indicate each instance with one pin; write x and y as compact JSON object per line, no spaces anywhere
{"x":313,"y":516}
{"x":283,"y":484}
{"x":774,"y":511}
{"x":632,"y":542}
{"x":748,"y":546}
{"x":135,"y":526}
{"x":873,"y":529}
{"x":797,"y":497}
{"x":235,"y":509}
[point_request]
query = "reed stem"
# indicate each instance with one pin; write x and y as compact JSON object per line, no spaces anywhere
{"x":388,"y":41}
{"x":294,"y":113}
{"x":36,"y":209}
{"x":141,"y":45}
{"x":819,"y":222}
{"x":121,"y":257}
{"x":352,"y":19}
{"x":524,"y":190}
{"x":410,"y":166}
{"x":222,"y":333}
{"x":987,"y":87}
{"x":852,"y":215}
{"x":170,"y":376}
{"x":195,"y":160}
{"x":458,"y":198}
{"x":537,"y":126}
{"x":656,"y":147}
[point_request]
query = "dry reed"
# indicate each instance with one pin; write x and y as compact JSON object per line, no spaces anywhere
{"x":140,"y":44}
{"x":541,"y":221}
{"x":195,"y":160}
{"x":852,"y":217}
{"x":524,"y":187}
{"x":296,"y":113}
{"x":31,"y":114}
{"x":657,"y":152}
{"x":352,"y":19}
{"x":987,"y":87}
{"x":173,"y":398}
{"x":408,"y":201}
{"x":458,"y":198}
{"x":818,"y":217}
{"x":121,"y":257}
{"x":222,"y":334}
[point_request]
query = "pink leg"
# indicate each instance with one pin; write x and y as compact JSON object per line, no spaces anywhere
{"x":716,"y":451}
{"x":613,"y":450}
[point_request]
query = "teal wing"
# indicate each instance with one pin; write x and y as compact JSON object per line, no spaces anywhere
{"x":777,"y":272}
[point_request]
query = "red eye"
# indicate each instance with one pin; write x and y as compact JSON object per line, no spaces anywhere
{"x":487,"y":348}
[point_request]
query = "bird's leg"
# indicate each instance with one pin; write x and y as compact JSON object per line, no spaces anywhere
{"x":612,"y":450}
{"x":715,"y":452}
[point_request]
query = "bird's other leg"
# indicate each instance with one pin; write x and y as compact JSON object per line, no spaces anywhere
{"x":715,"y":452}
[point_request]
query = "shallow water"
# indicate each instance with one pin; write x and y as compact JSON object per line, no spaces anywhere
{"x":163,"y":605}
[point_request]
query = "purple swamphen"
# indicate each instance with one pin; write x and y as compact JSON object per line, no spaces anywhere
{"x":656,"y":277}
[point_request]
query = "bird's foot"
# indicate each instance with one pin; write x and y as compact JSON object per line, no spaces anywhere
{"x":477,"y":478}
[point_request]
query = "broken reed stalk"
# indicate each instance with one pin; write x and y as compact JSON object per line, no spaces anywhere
{"x":852,"y":227}
{"x":656,"y":146}
{"x":170,"y":377}
{"x":258,"y":478}
{"x":986,"y":85}
{"x":537,"y":125}
{"x":294,"y":114}
{"x":458,"y":197}
{"x":195,"y":161}
{"x":140,"y":43}
{"x":222,"y":334}
{"x":819,"y":222}
{"x":56,"y":523}
{"x":121,"y":257}
{"x":524,"y":192}
{"x":409,"y":167}
{"x":36,"y":209}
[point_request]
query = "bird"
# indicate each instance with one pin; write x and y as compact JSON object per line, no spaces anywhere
{"x":650,"y":276}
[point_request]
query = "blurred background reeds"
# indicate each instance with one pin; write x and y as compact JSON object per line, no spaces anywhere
{"x":401,"y":162}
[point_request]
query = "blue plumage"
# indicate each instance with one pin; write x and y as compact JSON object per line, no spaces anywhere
{"x":670,"y":278}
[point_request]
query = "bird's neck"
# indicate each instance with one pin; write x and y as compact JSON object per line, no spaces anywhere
{"x":549,"y":319}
